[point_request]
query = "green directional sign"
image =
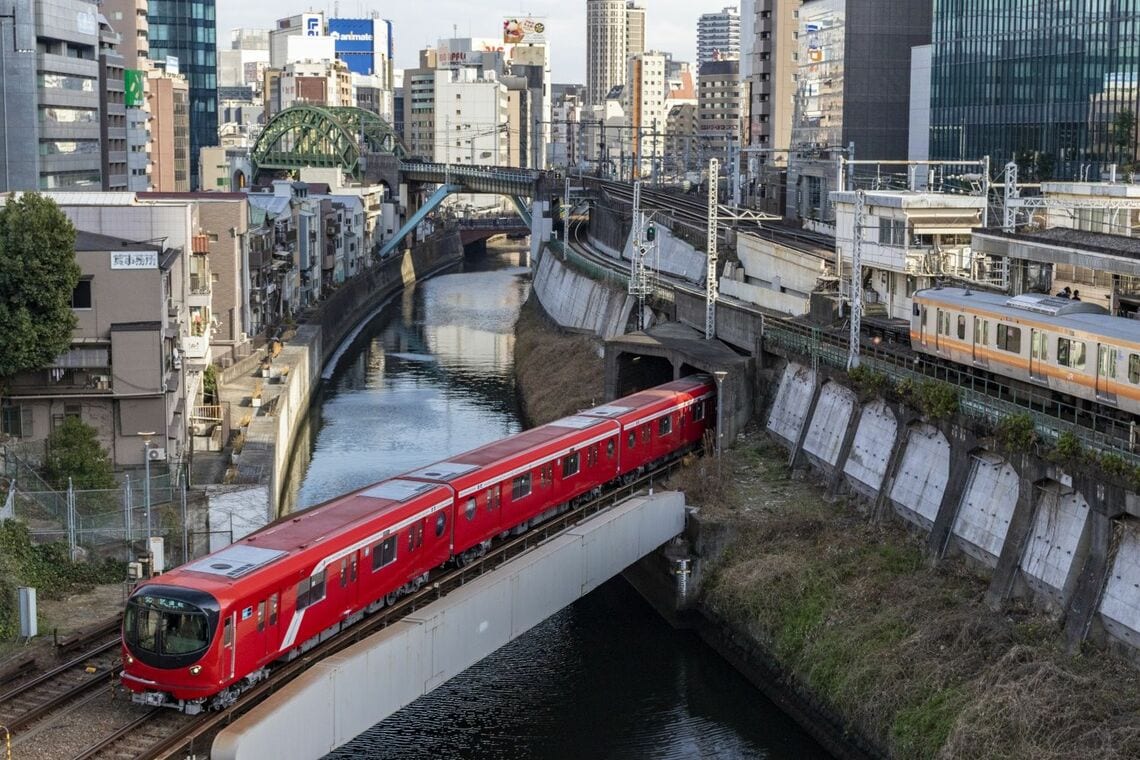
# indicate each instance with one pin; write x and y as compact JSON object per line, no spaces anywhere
{"x":135,"y":95}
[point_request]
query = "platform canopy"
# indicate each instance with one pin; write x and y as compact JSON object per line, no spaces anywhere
{"x":336,"y":137}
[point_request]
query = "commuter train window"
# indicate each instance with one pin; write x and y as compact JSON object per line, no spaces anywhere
{"x":383,"y":553}
{"x":440,"y":524}
{"x":1134,"y":369}
{"x":570,"y":465}
{"x":943,"y":323}
{"x":311,"y":590}
{"x":982,"y":331}
{"x":493,"y":497}
{"x":470,"y":511}
{"x":1071,"y":353}
{"x":632,"y":439}
{"x":1009,"y":338}
{"x":1039,"y":346}
{"x":665,"y":425}
{"x":228,"y":633}
{"x":646,"y":433}
{"x":698,"y":411}
{"x":1106,"y":362}
{"x":610,"y":449}
{"x":273,"y":610}
{"x":592,"y":455}
{"x":546,"y":474}
{"x":520,"y":487}
{"x":352,"y":569}
{"x":416,"y":536}
{"x":261,"y":616}
{"x":961,"y":327}
{"x":343,"y":572}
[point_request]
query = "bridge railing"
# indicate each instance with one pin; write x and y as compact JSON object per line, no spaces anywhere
{"x":980,"y":398}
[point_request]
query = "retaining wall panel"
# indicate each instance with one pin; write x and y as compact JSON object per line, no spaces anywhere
{"x":1060,"y":528}
{"x":987,"y":508}
{"x":828,"y":426}
{"x":792,"y":402}
{"x":921,"y":480}
{"x":1120,"y":604}
{"x":866,"y":464}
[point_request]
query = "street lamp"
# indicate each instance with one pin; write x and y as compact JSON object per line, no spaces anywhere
{"x":719,"y":376}
{"x":146,"y":436}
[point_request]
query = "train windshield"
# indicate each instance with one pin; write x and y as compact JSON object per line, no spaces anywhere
{"x":163,"y":625}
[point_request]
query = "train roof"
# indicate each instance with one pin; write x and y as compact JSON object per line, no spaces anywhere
{"x":1053,"y":310}
{"x":301,"y":531}
{"x":632,"y":409}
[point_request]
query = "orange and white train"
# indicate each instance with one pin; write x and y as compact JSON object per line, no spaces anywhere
{"x":1071,"y":347}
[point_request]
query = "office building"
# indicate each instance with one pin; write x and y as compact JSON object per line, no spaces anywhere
{"x":187,"y":32}
{"x":168,"y":102}
{"x":634,"y":29}
{"x":19,"y":128}
{"x":113,"y":125}
{"x":129,"y":19}
{"x":615,"y":29}
{"x":720,"y":108}
{"x":718,"y":37}
{"x":1037,"y":83}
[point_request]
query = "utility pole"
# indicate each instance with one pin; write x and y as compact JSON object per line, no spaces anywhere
{"x":856,"y":280}
{"x":644,"y":237}
{"x":711,"y":289}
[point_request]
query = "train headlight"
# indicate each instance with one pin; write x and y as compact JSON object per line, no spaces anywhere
{"x":195,"y":669}
{"x":130,"y":660}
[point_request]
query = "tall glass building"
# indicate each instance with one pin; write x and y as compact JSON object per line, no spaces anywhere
{"x":187,"y":30}
{"x":1041,"y":82}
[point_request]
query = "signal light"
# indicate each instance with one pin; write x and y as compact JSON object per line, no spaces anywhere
{"x":650,"y":232}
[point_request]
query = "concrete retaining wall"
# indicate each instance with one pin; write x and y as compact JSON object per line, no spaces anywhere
{"x":921,"y":480}
{"x":344,"y":695}
{"x":987,"y":508}
{"x":793,"y":403}
{"x":577,"y":302}
{"x":866,"y":465}
{"x":670,"y":255}
{"x":1058,"y":539}
{"x":824,"y":439}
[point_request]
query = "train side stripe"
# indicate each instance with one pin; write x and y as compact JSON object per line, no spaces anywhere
{"x":294,"y":628}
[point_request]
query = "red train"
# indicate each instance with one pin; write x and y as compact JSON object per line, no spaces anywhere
{"x":199,"y":635}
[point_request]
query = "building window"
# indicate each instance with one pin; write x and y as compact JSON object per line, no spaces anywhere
{"x":16,"y":420}
{"x":81,"y":296}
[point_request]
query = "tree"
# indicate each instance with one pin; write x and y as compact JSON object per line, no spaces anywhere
{"x":38,"y":275}
{"x":1123,"y":129}
{"x":73,"y":451}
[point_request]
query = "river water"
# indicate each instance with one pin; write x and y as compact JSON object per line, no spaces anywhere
{"x":431,"y":376}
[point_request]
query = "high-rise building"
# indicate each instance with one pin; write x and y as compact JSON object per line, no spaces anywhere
{"x":605,"y":47}
{"x":634,"y":28}
{"x":112,"y":103}
{"x":129,"y":19}
{"x":718,"y":37}
{"x":767,"y":66}
{"x":67,"y":65}
{"x":852,"y":88}
{"x":1037,"y":83}
{"x":187,"y":31}
{"x":168,"y":101}
{"x":19,"y":127}
{"x":647,"y":110}
{"x":720,"y":102}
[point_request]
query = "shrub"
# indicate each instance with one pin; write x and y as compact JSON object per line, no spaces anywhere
{"x":1067,"y":449}
{"x":869,"y":383}
{"x":73,"y":451}
{"x":1016,"y":432}
{"x":935,"y":399}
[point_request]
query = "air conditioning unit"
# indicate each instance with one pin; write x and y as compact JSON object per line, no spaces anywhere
{"x":102,"y":382}
{"x":157,"y":454}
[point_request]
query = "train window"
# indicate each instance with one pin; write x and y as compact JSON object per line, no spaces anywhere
{"x":1009,"y":338}
{"x":311,"y":590}
{"x":383,"y":553}
{"x":569,"y":465}
{"x":1071,"y":353}
{"x":273,"y":610}
{"x":632,"y":440}
{"x":1134,"y":369}
{"x":698,"y":411}
{"x":493,"y":497}
{"x":943,"y":323}
{"x":961,"y":327}
{"x":1039,"y":346}
{"x":665,"y":425}
{"x":546,"y":474}
{"x":416,"y":536}
{"x":520,"y":486}
{"x":343,"y":572}
{"x":470,"y":511}
{"x":352,"y":569}
{"x":440,"y":524}
{"x":982,"y":331}
{"x":165,"y":625}
{"x":261,"y":616}
{"x":592,"y":455}
{"x":1106,"y":362}
{"x":228,"y":633}
{"x":610,"y":449}
{"x":646,"y":433}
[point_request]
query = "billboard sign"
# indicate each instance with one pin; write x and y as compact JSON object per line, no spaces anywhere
{"x":134,"y":87}
{"x":355,"y":43}
{"x":172,"y":65}
{"x":311,"y":25}
{"x":524,"y":31}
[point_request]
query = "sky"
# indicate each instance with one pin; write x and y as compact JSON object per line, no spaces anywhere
{"x":671,"y":25}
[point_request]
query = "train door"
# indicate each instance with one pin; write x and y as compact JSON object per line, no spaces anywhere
{"x":1038,"y":354}
{"x":1105,"y":373}
{"x":267,"y":614}
{"x":922,"y":326}
{"x":938,"y":318}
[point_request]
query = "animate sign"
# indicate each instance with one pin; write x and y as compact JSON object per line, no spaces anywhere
{"x":525,"y":31}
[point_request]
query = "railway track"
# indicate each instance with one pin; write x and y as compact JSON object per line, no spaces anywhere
{"x":149,"y":735}
{"x":36,"y":699}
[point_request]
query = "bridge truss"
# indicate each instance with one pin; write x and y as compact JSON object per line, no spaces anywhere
{"x":335,"y":137}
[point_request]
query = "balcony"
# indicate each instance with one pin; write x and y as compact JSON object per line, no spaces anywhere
{"x":196,"y":347}
{"x":63,"y":381}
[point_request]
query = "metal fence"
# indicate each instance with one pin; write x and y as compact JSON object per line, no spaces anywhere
{"x":980,"y":398}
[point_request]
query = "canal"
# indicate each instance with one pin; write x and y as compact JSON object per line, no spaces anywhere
{"x":432,"y":375}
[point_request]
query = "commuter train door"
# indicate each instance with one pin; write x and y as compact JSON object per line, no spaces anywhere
{"x":1038,"y":354}
{"x":267,"y":614}
{"x":922,"y":325}
{"x":1105,"y":372}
